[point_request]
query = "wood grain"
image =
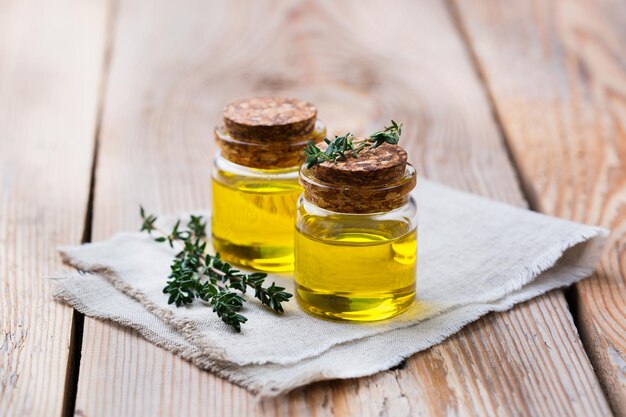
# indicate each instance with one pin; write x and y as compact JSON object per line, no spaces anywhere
{"x":50,"y":66}
{"x":560,"y":91}
{"x":175,"y":65}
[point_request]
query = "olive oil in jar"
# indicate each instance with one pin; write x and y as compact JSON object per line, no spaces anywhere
{"x":255,"y":180}
{"x":354,"y":271}
{"x":255,"y":218}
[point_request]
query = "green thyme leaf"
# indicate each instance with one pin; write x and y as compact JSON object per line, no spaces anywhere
{"x":196,"y":274}
{"x":342,"y":147}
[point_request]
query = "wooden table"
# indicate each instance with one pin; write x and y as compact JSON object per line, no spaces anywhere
{"x":106,"y":104}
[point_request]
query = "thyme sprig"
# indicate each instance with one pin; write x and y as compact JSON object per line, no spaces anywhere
{"x":197,"y":274}
{"x":342,"y":147}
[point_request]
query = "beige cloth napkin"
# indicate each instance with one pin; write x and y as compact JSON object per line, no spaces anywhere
{"x":475,"y":256}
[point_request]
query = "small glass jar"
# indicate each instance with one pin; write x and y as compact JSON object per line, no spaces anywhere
{"x":356,"y":239}
{"x":255,"y":180}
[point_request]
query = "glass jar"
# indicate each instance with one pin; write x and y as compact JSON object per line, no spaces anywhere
{"x":356,"y":244}
{"x":255,"y":180}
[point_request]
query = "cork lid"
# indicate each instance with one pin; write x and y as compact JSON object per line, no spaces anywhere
{"x":374,"y":166}
{"x":267,"y":119}
{"x":378,"y":180}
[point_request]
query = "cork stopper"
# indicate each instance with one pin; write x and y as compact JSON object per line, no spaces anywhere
{"x":376,"y":166}
{"x":268,"y":132}
{"x":378,"y":180}
{"x":267,"y":119}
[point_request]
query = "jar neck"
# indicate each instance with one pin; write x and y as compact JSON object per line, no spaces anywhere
{"x":224,"y":165}
{"x":408,"y":210}
{"x":358,"y":199}
{"x":266,"y":154}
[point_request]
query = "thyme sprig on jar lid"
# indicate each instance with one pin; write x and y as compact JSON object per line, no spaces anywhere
{"x":343,"y":147}
{"x":197,"y":274}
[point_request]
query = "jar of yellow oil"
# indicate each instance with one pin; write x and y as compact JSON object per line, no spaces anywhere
{"x":356,"y":240}
{"x":255,"y":179}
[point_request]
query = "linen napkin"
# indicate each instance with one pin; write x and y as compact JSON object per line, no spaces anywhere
{"x":475,"y":256}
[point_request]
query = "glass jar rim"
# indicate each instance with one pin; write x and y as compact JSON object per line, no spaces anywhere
{"x":268,"y":154}
{"x":359,"y":198}
{"x":227,"y":164}
{"x":375,"y":215}
{"x":410,"y":175}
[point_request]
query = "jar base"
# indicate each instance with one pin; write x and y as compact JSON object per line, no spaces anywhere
{"x":353,"y":306}
{"x":260,"y":257}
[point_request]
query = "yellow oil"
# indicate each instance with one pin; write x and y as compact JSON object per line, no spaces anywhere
{"x":358,"y":272}
{"x":253,"y":220}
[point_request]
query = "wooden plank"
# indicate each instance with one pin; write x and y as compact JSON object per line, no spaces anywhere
{"x":361,"y":63}
{"x":557,"y":74}
{"x":50,"y":66}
